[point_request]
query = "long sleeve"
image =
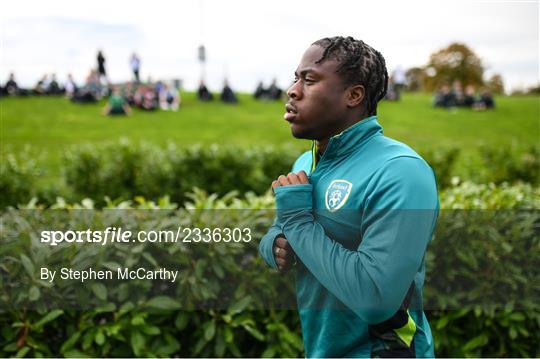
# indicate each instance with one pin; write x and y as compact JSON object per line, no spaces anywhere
{"x":267,"y":241}
{"x":398,"y":216}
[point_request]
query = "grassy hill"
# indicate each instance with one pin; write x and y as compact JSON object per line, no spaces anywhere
{"x":48,"y":125}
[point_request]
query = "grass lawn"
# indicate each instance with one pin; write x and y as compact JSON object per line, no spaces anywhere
{"x":49,"y":125}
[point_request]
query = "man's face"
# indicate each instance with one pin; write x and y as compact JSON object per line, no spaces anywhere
{"x":317,"y":105}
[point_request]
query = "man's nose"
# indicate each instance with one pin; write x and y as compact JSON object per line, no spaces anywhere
{"x":294,"y":91}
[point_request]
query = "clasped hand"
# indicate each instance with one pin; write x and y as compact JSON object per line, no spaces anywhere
{"x":283,"y":252}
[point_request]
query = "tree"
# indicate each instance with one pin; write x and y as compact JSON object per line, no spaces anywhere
{"x":534,"y":90}
{"x":495,"y":84}
{"x":416,"y":77}
{"x":455,"y":62}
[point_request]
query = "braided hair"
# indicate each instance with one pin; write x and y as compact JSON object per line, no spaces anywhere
{"x":360,"y":64}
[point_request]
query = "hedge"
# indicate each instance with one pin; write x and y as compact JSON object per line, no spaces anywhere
{"x":468,"y":262}
{"x":125,"y":170}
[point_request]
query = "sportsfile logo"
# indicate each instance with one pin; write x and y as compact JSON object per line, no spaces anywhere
{"x":119,"y":235}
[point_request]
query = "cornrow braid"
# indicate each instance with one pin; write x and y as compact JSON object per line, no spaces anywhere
{"x":359,"y":64}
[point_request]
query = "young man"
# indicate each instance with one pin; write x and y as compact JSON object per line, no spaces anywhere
{"x":117,"y":104}
{"x":355,"y":215}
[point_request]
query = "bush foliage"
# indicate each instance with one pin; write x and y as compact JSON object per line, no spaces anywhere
{"x":125,"y":170}
{"x":468,"y":263}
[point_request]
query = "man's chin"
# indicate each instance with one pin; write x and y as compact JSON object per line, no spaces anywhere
{"x":300,"y":132}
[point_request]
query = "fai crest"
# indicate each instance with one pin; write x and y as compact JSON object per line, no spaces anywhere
{"x":337,"y":194}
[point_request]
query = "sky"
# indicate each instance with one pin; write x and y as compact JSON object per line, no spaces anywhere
{"x":250,"y":41}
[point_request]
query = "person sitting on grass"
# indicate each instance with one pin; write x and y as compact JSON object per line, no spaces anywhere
{"x":42,"y":86}
{"x":54,"y":87}
{"x":486,"y":101}
{"x":274,"y":92}
{"x":116,"y":105}
{"x":444,"y":97}
{"x":70,"y":87}
{"x":145,"y":98}
{"x":470,"y":97}
{"x":392,"y":94}
{"x":457,"y":93}
{"x":260,"y":91}
{"x":11,"y":88}
{"x":227,"y":95}
{"x":92,"y":84}
{"x":169,"y":98}
{"x":203,"y":94}
{"x":91,"y":92}
{"x":128,"y":92}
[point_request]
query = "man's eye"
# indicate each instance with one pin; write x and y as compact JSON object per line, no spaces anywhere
{"x":308,"y":80}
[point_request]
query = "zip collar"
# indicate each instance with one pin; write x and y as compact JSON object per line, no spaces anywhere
{"x":347,"y":141}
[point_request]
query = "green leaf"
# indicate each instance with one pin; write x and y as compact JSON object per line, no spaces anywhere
{"x":240,"y":305}
{"x":111,"y":265}
{"x":199,"y":346}
{"x":228,"y":334}
{"x":475,"y":342}
{"x":52,"y":315}
{"x":22,"y":352}
{"x":513,"y":333}
{"x":87,"y":339}
{"x":99,"y":338}
{"x":254,"y":332}
{"x":109,"y":307}
{"x":291,"y":338}
{"x":517,"y":317}
{"x":11,"y":347}
{"x":181,"y":321}
{"x":150,"y":330}
{"x":210,"y":330}
{"x":99,"y":290}
{"x":34,"y":293}
{"x":168,"y":349}
{"x":28,"y":265}
{"x":137,"y":342}
{"x":138,"y":319}
{"x":68,"y":344}
{"x":219,"y":271}
{"x":163,"y":302}
{"x":74,"y":353}
{"x":7,"y":332}
{"x":125,"y":308}
{"x":442,"y":322}
{"x":524,"y":331}
{"x":150,"y":259}
{"x":220,"y":346}
{"x":234,"y":349}
{"x":268,"y":353}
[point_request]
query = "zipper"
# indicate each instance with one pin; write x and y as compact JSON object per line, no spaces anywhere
{"x":313,"y":156}
{"x":314,"y":161}
{"x":314,"y":151}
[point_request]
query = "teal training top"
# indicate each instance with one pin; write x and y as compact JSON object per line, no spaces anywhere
{"x":359,"y":230}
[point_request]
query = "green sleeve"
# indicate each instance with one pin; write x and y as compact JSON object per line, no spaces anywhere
{"x":398,"y":217}
{"x":266,"y":244}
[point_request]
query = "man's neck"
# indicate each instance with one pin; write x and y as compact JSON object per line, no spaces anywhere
{"x":323,"y":143}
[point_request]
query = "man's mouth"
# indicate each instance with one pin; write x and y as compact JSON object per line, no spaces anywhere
{"x":290,"y":112}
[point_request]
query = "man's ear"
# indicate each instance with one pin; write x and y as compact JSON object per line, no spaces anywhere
{"x":355,"y":95}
